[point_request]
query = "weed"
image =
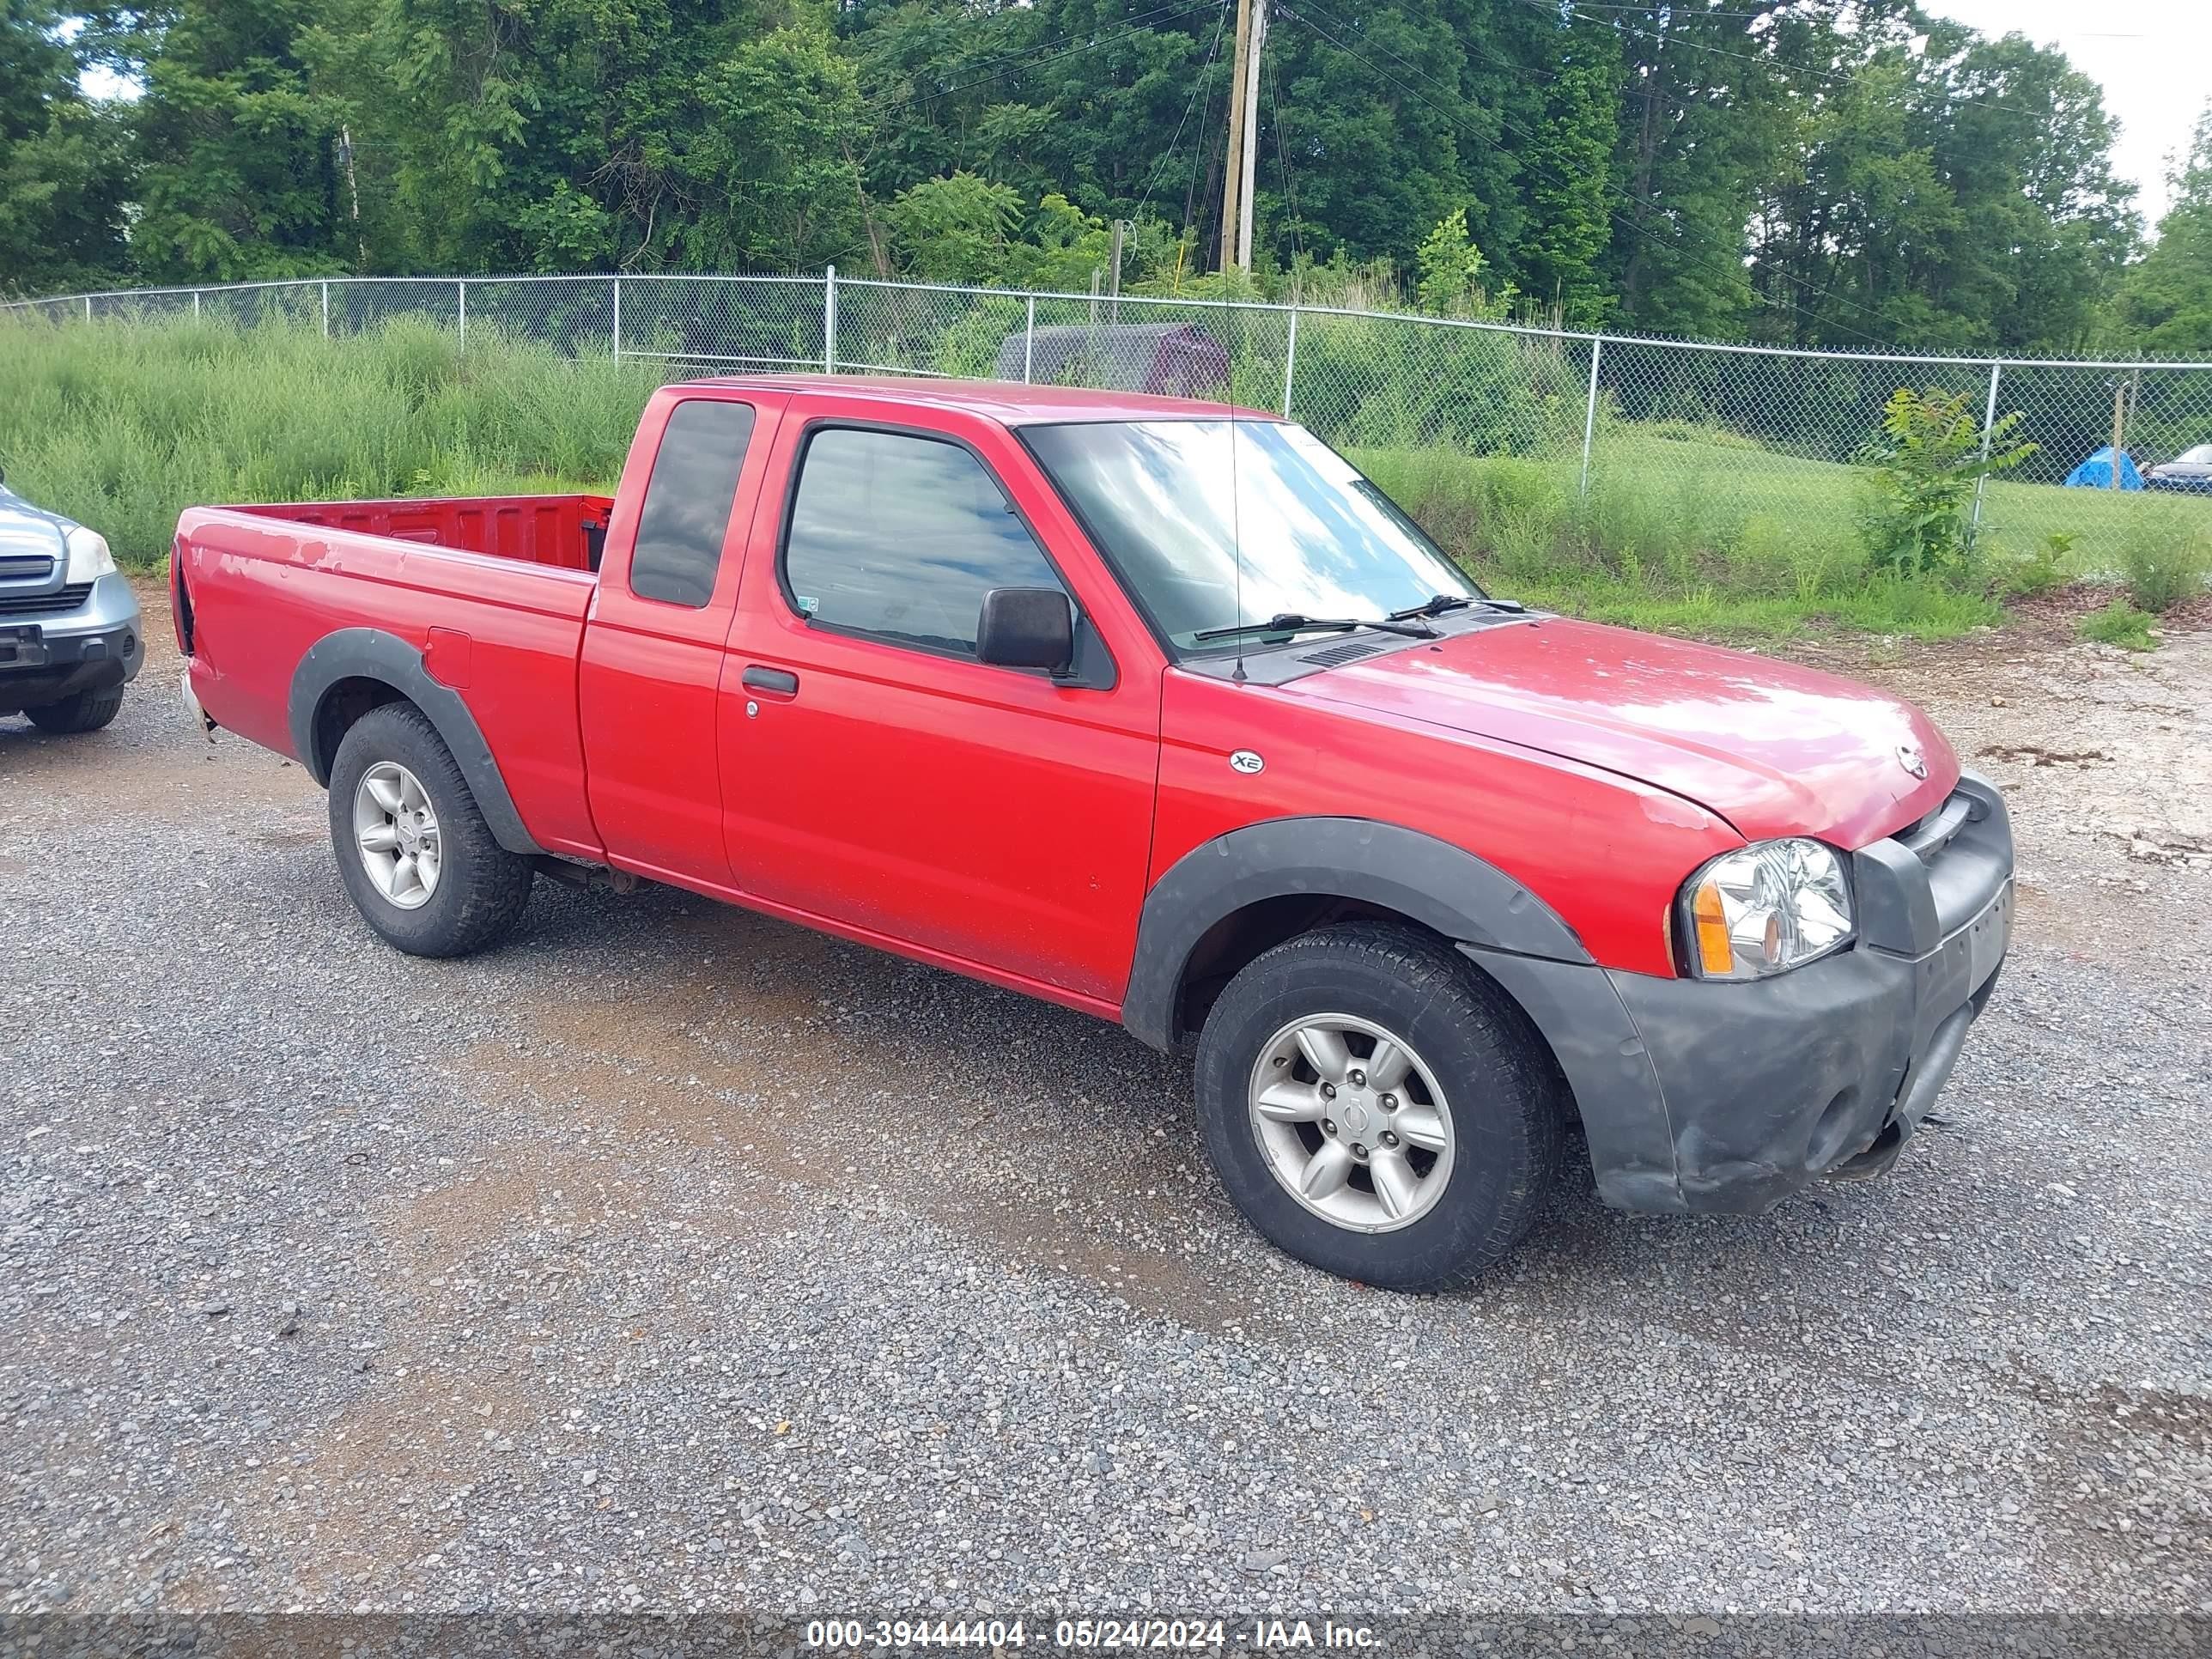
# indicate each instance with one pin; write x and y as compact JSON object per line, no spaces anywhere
{"x":2118,"y":623}
{"x":2046,"y":571}
{"x":2166,"y":559}
{"x":1921,"y":473}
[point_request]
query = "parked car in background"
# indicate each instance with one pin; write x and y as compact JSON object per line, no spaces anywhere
{"x":2191,"y":470}
{"x":1174,"y":718}
{"x":69,"y":638}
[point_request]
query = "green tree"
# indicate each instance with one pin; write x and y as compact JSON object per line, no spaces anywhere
{"x":1704,"y":124}
{"x":240,"y":175}
{"x":1959,"y":196}
{"x":955,"y":229}
{"x":1921,"y":473}
{"x":2166,"y":306}
{"x":771,"y":170}
{"x":1571,"y":183}
{"x":1450,"y":266}
{"x":63,"y":171}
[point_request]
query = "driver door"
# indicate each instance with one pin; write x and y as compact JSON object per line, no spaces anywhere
{"x":880,"y":778}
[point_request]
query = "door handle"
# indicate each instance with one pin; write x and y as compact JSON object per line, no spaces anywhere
{"x":771,"y":681}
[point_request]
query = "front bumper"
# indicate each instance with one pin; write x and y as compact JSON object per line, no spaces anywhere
{"x":47,"y":655}
{"x":1711,"y":1096}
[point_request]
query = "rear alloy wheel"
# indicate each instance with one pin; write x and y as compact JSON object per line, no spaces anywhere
{"x":396,"y":830}
{"x":1378,"y":1108}
{"x":417,"y":859}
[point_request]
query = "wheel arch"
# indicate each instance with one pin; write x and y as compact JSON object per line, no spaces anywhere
{"x":1229,"y":899}
{"x":346,"y":673}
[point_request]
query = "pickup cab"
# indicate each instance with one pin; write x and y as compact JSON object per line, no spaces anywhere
{"x":1158,"y":710}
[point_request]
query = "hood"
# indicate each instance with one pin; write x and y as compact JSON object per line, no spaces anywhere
{"x":1774,"y":749}
{"x":32,"y":540}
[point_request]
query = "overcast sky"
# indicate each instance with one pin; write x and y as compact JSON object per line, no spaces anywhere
{"x":2154,"y":58}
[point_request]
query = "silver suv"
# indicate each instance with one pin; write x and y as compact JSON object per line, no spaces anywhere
{"x":70,"y":636}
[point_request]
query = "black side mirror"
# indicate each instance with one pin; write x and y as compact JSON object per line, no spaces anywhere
{"x":1026,"y":627}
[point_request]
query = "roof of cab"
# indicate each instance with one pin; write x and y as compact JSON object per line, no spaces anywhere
{"x":1007,"y":402}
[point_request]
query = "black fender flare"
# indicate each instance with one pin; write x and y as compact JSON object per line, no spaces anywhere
{"x":370,"y":653}
{"x":1444,"y":887}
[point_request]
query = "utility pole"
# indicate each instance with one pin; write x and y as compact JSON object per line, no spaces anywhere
{"x":1237,"y":171}
{"x":1251,"y":136}
{"x":1115,"y":291}
{"x":2120,"y":427}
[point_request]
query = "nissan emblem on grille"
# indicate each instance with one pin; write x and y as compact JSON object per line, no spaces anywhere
{"x":1910,"y":758}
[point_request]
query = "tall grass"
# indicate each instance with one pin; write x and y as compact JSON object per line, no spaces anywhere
{"x":2168,"y":557}
{"x":122,"y":425}
{"x":1658,"y":543}
{"x":1688,"y":528}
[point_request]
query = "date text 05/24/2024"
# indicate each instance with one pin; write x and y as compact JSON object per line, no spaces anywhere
{"x":1155,"y":1634}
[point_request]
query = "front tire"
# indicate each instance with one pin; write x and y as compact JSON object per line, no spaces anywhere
{"x":88,"y":711}
{"x":416,"y":856}
{"x":1376,"y":1108}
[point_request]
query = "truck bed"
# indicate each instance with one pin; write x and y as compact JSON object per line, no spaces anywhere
{"x":566,"y":531}
{"x":491,"y":591}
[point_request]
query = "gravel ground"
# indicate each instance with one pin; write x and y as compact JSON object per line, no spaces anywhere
{"x":668,"y":1258}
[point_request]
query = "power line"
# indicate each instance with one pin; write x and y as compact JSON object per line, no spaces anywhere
{"x":1630,"y":224}
{"x":1198,"y":152}
{"x":1204,"y":70}
{"x":1282,"y":160}
{"x":1690,"y":8}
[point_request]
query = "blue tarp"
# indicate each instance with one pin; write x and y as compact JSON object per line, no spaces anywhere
{"x":2096,"y":472}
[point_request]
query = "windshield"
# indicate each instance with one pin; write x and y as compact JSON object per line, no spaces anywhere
{"x":1318,"y":540}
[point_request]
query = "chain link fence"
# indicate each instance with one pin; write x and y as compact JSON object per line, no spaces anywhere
{"x":1748,"y":445}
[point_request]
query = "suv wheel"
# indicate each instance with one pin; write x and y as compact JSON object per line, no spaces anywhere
{"x":88,"y":711}
{"x":416,"y":857}
{"x":1377,"y":1108}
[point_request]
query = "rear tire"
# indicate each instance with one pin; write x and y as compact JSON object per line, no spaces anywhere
{"x":476,"y":890}
{"x":1418,"y":1178}
{"x":88,"y":711}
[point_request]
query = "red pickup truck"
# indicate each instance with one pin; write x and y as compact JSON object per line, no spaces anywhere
{"x":1160,"y":711}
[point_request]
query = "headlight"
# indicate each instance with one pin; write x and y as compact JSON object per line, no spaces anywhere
{"x":89,"y":556}
{"x":1765,"y":909}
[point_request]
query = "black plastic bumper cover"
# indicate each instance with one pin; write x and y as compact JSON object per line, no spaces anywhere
{"x":1705,"y":1095}
{"x":67,"y":663}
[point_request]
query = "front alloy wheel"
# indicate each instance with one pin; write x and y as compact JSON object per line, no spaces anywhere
{"x":1351,"y":1122}
{"x":1377,"y":1106}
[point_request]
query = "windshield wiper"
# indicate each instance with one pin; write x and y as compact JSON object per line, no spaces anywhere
{"x":1290,"y":621}
{"x":1435,"y":605}
{"x":1443,"y":602}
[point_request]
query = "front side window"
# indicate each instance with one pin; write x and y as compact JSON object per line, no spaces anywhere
{"x":688,"y":500}
{"x":902,"y":537}
{"x":1287,"y":526}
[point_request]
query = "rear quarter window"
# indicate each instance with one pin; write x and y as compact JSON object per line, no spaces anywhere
{"x":688,"y":499}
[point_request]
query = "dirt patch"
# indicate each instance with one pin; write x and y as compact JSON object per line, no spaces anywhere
{"x":2127,"y":1472}
{"x":2104,"y":755}
{"x":2029,"y":754}
{"x":739,"y":1063}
